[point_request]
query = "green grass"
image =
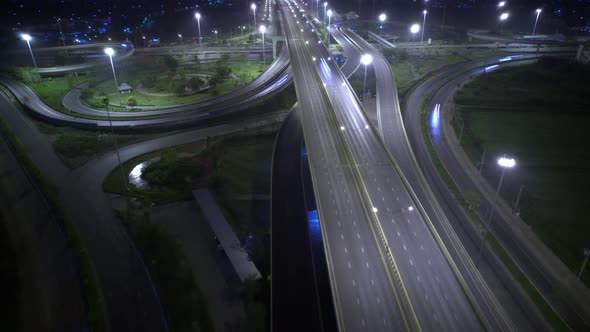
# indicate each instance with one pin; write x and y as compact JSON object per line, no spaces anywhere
{"x":548,"y":143}
{"x":245,"y":70}
{"x":77,"y":146}
{"x":53,"y":90}
{"x":184,"y":300}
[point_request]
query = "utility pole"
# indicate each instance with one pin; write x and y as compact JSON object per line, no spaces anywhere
{"x":515,"y":211}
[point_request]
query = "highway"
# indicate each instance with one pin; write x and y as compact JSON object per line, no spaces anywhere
{"x":424,"y":284}
{"x":391,"y":127}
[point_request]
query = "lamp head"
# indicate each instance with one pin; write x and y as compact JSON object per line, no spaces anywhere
{"x":329,"y":12}
{"x":325,"y":4}
{"x":253,"y":6}
{"x":506,"y":162}
{"x":26,"y":36}
{"x":382,"y":17}
{"x":415,"y":28}
{"x":501,"y":4}
{"x":366,"y":59}
{"x":262,"y":29}
{"x":109,"y":51}
{"x":504,"y":16}
{"x":198,"y":16}
{"x":539,"y":10}
{"x":424,"y":12}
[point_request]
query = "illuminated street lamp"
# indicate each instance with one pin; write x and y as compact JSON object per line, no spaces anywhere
{"x":61,"y":34}
{"x":329,"y":22}
{"x":423,"y":28}
{"x":382,"y":19}
{"x":28,"y":38}
{"x":198,"y":17}
{"x":538,"y":11}
{"x":253,"y":6}
{"x":503,"y":18}
{"x":215,"y":32}
{"x":501,"y":4}
{"x":110,"y":52}
{"x":366,"y":60}
{"x":262,"y":31}
{"x":414,"y":29}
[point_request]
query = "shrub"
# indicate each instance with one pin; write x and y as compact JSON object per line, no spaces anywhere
{"x":131,"y":102}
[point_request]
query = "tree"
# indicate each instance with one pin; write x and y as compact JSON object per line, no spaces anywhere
{"x":222,"y":70}
{"x":179,"y":88}
{"x":27,"y":75}
{"x":195,"y":83}
{"x":100,"y":101}
{"x":132,"y":102}
{"x":171,"y":63}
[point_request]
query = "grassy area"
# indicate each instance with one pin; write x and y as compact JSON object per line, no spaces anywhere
{"x":77,"y":146}
{"x":165,"y":82}
{"x":186,"y":304}
{"x":545,"y":139}
{"x":469,"y":202}
{"x":53,"y":90}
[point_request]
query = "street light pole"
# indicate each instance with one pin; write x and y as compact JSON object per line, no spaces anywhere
{"x":198,"y":16}
{"x":263,"y":30}
{"x":324,"y":18}
{"x":61,"y":34}
{"x":505,"y":163}
{"x":328,"y":28}
{"x":382,"y":19}
{"x":366,"y":60}
{"x":109,"y":51}
{"x":253,"y":6}
{"x":423,"y":28}
{"x":28,"y":38}
{"x":536,"y":20}
{"x":414,"y":29}
{"x":586,"y":256}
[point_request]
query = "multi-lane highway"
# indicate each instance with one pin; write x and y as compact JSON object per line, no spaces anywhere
{"x":376,"y":197}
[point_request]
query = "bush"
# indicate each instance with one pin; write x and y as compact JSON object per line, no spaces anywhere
{"x":27,"y":75}
{"x":179,"y":88}
{"x":195,"y":83}
{"x":131,"y":102}
{"x":100,"y":101}
{"x":171,"y":63}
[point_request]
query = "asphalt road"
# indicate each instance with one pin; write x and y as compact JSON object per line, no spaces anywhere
{"x":426,"y":287}
{"x":532,"y":267}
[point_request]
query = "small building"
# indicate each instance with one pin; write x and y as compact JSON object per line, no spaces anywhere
{"x":125,"y":88}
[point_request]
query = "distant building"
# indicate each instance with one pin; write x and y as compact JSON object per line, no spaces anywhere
{"x":125,"y":88}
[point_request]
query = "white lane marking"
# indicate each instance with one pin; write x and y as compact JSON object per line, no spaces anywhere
{"x":435,"y":318}
{"x":363,"y":249}
{"x":367,"y":265}
{"x":414,"y":234}
{"x":342,"y":236}
{"x":339,"y":224}
{"x":398,"y":234}
{"x":358,"y":235}
{"x":349,"y":266}
{"x":405,"y":247}
{"x":345,"y":250}
{"x":436,"y":278}
{"x":429,"y":262}
{"x":411,"y":262}
{"x":363,"y":321}
{"x":378,"y":301}
{"x":354,"y":223}
{"x":378,"y":189}
{"x":384,"y":322}
{"x":383,"y":199}
{"x":419,"y":279}
{"x":358,"y":301}
{"x":353,"y":283}
{"x":388,"y":210}
{"x":372,"y":282}
{"x":422,"y":247}
{"x":392,"y":221}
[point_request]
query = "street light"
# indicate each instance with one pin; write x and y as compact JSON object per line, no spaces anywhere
{"x":382,"y":19}
{"x":110,"y":52}
{"x":317,"y":6}
{"x":536,"y":20}
{"x":329,"y":22}
{"x":414,"y":29}
{"x":262,"y":31}
{"x":61,"y":34}
{"x":503,"y":18}
{"x":505,"y":163}
{"x":198,"y":16}
{"x":366,"y":60}
{"x":215,"y":32}
{"x":28,"y":38}
{"x":423,"y":28}
{"x":253,"y":6}
{"x":501,"y":4}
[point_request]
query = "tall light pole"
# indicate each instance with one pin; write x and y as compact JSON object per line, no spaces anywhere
{"x":329,"y":22}
{"x":198,"y":17}
{"x":262,"y":31}
{"x":505,"y":163}
{"x":63,"y":40}
{"x":366,"y":60}
{"x":414,"y":29}
{"x":536,"y":20}
{"x":423,"y":28}
{"x":28,"y":38}
{"x":325,"y":6}
{"x":253,"y":6}
{"x":503,"y":18}
{"x":586,"y":256}
{"x":109,"y":51}
{"x":382,"y":19}
{"x":215,"y":32}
